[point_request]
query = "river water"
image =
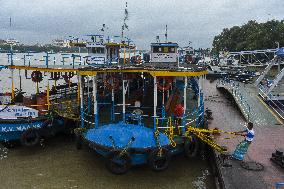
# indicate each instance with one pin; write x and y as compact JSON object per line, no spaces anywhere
{"x":57,"y":164}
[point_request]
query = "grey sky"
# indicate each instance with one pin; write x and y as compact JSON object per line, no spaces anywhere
{"x":188,"y":20}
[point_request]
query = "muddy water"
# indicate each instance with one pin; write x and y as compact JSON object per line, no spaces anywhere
{"x":60,"y":165}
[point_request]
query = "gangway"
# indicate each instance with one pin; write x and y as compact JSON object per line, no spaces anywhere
{"x":275,"y":81}
{"x":266,"y":70}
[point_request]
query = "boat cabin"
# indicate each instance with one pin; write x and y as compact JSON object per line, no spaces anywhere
{"x":164,"y":52}
{"x":112,"y":52}
{"x":97,"y":53}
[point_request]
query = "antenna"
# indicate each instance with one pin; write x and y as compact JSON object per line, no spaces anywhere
{"x":124,"y":26}
{"x":166,"y":34}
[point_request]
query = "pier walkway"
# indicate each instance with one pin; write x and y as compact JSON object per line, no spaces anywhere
{"x":250,"y":104}
{"x":268,"y":136}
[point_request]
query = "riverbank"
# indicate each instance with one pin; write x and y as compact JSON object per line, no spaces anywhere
{"x":268,"y":137}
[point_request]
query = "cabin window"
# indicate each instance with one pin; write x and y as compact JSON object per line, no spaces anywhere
{"x":166,"y":49}
{"x":157,"y":49}
{"x":172,"y":49}
{"x":98,"y":50}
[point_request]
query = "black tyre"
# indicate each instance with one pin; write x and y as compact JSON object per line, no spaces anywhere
{"x":191,"y":146}
{"x":118,"y":163}
{"x":159,"y":161}
{"x":30,"y":137}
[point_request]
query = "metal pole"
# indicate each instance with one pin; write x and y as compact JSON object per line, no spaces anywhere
{"x":88,"y":94}
{"x":155,"y":101}
{"x":123,"y":99}
{"x":46,"y":60}
{"x":82,"y":99}
{"x":95,"y":101}
{"x":199,"y":90}
{"x":184,"y":102}
{"x":112,"y":105}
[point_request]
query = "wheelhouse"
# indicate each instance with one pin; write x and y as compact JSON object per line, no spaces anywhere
{"x":164,"y":52}
{"x":97,"y":53}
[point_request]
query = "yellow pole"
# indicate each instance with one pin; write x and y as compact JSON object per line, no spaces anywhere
{"x":13,"y":85}
{"x":13,"y":90}
{"x":47,"y":96}
{"x":37,"y":89}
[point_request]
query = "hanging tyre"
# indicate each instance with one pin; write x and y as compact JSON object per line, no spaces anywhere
{"x":159,"y":161}
{"x":191,"y":146}
{"x":118,"y":163}
{"x":30,"y":137}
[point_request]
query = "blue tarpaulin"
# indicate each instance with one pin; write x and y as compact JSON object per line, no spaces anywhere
{"x":280,"y":52}
{"x":122,"y":133}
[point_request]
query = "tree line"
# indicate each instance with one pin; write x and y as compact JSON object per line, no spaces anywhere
{"x":250,"y":36}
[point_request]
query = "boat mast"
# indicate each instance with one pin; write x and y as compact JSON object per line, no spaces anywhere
{"x":166,"y":34}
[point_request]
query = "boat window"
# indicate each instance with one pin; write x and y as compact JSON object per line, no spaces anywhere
{"x":166,"y":49}
{"x":98,"y":50}
{"x":172,"y":49}
{"x":157,"y":49}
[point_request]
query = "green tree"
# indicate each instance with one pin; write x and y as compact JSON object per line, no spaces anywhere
{"x":250,"y":36}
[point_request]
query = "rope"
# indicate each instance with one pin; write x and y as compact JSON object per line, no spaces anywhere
{"x":202,"y":134}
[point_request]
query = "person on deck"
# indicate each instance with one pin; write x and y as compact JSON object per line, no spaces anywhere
{"x":242,"y":147}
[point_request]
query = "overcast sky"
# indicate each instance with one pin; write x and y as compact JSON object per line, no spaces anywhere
{"x":188,"y":20}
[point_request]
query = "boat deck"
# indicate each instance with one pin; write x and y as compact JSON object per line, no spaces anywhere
{"x":268,"y":137}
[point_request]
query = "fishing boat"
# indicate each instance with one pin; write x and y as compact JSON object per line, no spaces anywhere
{"x":149,"y":113}
{"x":20,"y":122}
{"x":29,"y":119}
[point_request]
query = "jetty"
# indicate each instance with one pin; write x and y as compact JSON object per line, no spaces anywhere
{"x":257,"y":171}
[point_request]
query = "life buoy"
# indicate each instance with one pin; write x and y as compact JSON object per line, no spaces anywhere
{"x":138,"y":59}
{"x":118,"y":163}
{"x":30,"y":137}
{"x":164,"y":83}
{"x":191,"y":146}
{"x":67,"y":76}
{"x":55,"y":76}
{"x":159,"y":161}
{"x":111,"y":83}
{"x":36,"y":76}
{"x":188,"y":58}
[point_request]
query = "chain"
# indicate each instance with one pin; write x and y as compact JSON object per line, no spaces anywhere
{"x":125,"y":149}
{"x":157,"y":134}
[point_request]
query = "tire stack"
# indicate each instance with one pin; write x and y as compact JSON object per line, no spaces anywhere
{"x":278,"y":158}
